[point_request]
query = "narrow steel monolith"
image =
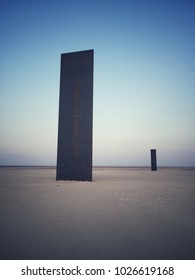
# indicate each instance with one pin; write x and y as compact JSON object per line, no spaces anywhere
{"x":74,"y":152}
{"x":153,"y":160}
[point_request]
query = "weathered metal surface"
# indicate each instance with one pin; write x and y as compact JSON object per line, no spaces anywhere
{"x":153,"y":160}
{"x":74,"y":155}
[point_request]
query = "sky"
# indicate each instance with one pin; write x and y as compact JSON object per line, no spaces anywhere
{"x":144,"y":78}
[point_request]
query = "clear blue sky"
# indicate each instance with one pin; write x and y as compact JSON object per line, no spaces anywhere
{"x":144,"y":78}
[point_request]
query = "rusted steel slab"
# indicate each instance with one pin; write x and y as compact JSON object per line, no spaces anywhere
{"x":74,"y":154}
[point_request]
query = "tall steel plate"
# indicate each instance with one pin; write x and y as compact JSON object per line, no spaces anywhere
{"x":74,"y":152}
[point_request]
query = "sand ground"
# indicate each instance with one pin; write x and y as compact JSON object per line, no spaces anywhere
{"x":122,"y":214}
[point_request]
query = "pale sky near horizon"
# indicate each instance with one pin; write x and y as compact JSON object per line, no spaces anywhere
{"x":144,"y":78}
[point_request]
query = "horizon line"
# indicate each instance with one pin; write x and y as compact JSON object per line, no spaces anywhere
{"x":94,"y":166}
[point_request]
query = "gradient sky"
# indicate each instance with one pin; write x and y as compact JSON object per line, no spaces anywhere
{"x":144,"y":78}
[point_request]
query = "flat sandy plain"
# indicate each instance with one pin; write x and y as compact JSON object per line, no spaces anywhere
{"x":125,"y":213}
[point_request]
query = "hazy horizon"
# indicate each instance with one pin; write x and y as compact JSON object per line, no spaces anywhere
{"x":101,"y":166}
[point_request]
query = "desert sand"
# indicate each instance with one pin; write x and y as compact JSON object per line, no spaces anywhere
{"x":125,"y":213}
